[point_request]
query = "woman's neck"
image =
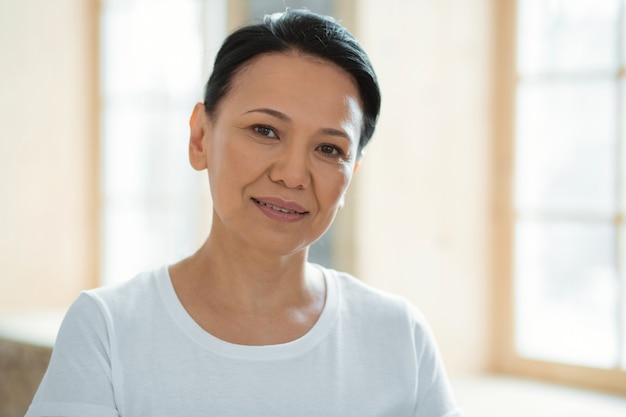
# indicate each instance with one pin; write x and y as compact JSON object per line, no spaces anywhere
{"x":245,"y":295}
{"x":253,"y":278}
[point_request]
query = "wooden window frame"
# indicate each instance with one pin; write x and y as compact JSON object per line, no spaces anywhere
{"x":505,"y":358}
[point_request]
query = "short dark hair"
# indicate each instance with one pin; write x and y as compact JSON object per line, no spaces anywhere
{"x":307,"y":32}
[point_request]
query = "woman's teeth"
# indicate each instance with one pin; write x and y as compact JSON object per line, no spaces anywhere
{"x":273,"y":207}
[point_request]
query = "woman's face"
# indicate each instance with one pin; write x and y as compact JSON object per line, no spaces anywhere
{"x":280,"y":152}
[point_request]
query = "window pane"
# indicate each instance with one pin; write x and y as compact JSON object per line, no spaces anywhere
{"x":622,"y":18}
{"x":622,"y":127}
{"x":154,"y":205}
{"x":261,"y":7}
{"x":623,"y":136}
{"x":138,"y":237}
{"x":566,"y":146}
{"x":567,"y":292}
{"x":145,"y":151}
{"x":151,"y":45}
{"x":567,"y":35}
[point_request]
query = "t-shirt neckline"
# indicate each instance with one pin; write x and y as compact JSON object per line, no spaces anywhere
{"x":294,"y":348}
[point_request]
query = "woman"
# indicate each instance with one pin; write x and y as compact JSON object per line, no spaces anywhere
{"x":246,"y":327}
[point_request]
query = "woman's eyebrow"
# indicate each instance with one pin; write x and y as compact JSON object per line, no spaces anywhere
{"x":336,"y":132}
{"x":271,"y":112}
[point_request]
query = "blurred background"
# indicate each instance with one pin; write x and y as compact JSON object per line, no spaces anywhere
{"x":492,"y":195}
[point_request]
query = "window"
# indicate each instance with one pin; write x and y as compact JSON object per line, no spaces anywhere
{"x":569,"y":188}
{"x":154,"y":63}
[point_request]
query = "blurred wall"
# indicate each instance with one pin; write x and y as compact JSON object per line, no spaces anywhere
{"x":423,"y":217}
{"x":47,"y":151}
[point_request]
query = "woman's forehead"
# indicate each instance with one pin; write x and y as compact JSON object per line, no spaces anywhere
{"x":294,"y":73}
{"x":278,"y":62}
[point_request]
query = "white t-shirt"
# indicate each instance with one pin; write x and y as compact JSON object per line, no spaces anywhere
{"x":133,"y":350}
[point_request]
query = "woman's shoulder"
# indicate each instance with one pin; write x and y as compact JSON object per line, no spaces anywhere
{"x":359,"y":296}
{"x":351,"y":286}
{"x":139,"y":291}
{"x":98,"y":311}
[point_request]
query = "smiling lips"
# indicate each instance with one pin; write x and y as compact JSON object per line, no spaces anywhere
{"x":280,"y":210}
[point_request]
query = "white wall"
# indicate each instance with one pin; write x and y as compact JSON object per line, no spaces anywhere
{"x":422,"y":191}
{"x":47,"y":140}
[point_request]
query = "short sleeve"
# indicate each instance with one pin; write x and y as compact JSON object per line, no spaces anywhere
{"x":78,"y":381}
{"x":434,"y":396}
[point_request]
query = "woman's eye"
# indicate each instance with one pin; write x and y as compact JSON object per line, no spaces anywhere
{"x":330,"y":150}
{"x":265,"y":131}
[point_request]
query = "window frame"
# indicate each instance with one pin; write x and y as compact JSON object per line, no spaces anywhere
{"x":505,"y":358}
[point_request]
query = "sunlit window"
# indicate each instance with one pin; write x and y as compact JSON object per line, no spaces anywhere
{"x":154,"y":63}
{"x":570,"y":182}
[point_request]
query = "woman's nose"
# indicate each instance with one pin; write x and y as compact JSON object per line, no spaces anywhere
{"x":291,"y":168}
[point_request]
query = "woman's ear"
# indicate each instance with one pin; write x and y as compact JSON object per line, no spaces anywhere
{"x":199,"y":123}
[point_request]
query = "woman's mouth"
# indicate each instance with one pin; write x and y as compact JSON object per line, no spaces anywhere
{"x":280,"y":210}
